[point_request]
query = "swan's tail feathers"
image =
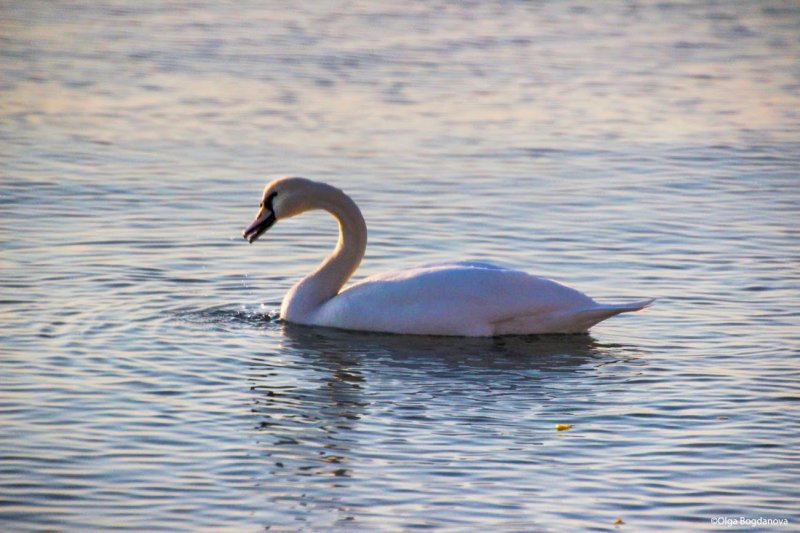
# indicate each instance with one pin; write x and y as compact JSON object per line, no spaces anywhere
{"x":600,"y":312}
{"x":627,"y":307}
{"x":569,"y":321}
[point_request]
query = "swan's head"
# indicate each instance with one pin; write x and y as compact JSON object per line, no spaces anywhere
{"x":282,"y":198}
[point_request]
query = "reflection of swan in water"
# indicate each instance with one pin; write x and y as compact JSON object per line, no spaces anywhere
{"x":533,"y":352}
{"x":334,"y":404}
{"x":455,"y":298}
{"x":310,"y":421}
{"x":482,"y":362}
{"x":311,"y":418}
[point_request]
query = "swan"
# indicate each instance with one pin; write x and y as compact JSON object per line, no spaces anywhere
{"x":464,"y":298}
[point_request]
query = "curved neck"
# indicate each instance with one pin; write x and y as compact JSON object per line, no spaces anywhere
{"x":331,"y":275}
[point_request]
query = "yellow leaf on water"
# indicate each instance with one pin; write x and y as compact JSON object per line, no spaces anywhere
{"x":563,"y":427}
{"x":618,"y":522}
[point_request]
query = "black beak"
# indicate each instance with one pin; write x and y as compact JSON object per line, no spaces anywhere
{"x":257,"y":228}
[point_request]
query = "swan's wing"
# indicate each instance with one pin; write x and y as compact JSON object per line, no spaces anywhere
{"x":447,"y":300}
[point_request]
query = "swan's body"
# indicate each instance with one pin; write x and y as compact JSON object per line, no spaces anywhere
{"x":459,"y":298}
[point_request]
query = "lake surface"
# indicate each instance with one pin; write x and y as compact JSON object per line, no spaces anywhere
{"x":628,"y":149}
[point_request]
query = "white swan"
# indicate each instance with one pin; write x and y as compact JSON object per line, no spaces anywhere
{"x":461,"y":298}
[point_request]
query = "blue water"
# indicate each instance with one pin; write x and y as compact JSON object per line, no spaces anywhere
{"x":628,"y":149}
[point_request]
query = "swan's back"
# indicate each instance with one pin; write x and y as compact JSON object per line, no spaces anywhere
{"x":467,"y":298}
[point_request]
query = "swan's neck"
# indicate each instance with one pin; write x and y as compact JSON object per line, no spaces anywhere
{"x":326,"y":281}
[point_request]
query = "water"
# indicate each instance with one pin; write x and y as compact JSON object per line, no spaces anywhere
{"x":626,"y":149}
